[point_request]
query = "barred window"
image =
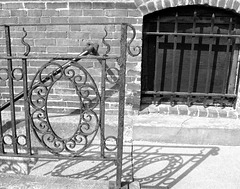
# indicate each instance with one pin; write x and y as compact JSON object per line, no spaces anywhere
{"x":190,"y":56}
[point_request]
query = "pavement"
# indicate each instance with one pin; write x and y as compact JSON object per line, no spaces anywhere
{"x":148,"y":163}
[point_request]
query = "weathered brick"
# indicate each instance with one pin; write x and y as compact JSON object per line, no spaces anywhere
{"x":57,"y":5}
{"x":144,"y":9}
{"x":57,"y":20}
{"x":80,"y":5}
{"x":57,"y":34}
{"x":151,"y":6}
{"x":57,"y":49}
{"x":34,"y":13}
{"x":104,"y":5}
{"x":183,"y":110}
{"x":138,"y":2}
{"x":167,"y":3}
{"x":212,"y":113}
{"x":13,"y":5}
{"x":236,"y":5}
{"x":116,"y":13}
{"x":12,"y":20}
{"x":229,"y":4}
{"x":222,"y":3}
{"x":173,"y":110}
{"x":5,"y":13}
{"x":45,"y":42}
{"x":50,"y":13}
{"x":203,"y":112}
{"x":78,"y":35}
{"x":35,"y":5}
{"x":67,"y":42}
{"x":134,"y":13}
{"x":102,"y":19}
{"x":193,"y":111}
{"x":93,"y":12}
{"x":75,"y":12}
{"x":86,"y":19}
{"x":29,"y":20}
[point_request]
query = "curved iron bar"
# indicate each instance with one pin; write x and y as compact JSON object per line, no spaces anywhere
{"x":85,"y":132}
{"x":28,"y":48}
{"x":105,"y":43}
{"x":138,"y":48}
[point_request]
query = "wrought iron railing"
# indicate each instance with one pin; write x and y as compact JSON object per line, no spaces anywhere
{"x":91,"y":102}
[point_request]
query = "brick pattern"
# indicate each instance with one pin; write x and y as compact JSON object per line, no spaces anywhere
{"x":70,"y":40}
{"x":194,"y":111}
{"x":150,"y":6}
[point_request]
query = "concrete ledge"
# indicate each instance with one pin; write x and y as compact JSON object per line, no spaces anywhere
{"x":10,"y":181}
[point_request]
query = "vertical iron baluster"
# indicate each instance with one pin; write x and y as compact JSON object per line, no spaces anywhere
{"x":26,"y":106}
{"x":174,"y":58}
{"x":102,"y":107}
{"x":1,"y":135}
{"x":122,"y":62}
{"x":225,"y":75}
{"x":190,"y":87}
{"x":209,"y":57}
{"x":158,"y":65}
{"x":11,"y":88}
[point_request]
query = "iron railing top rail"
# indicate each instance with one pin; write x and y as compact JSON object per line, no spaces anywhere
{"x":61,"y":57}
{"x":84,"y":23}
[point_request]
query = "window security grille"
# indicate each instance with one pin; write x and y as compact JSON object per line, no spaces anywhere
{"x":190,"y":56}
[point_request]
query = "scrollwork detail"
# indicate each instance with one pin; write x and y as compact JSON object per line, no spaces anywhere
{"x":136,"y":48}
{"x":89,"y":98}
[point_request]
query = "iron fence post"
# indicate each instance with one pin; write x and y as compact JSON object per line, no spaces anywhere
{"x":122,"y":75}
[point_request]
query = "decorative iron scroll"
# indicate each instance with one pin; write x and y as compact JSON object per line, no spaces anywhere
{"x":136,"y":48}
{"x":89,"y":98}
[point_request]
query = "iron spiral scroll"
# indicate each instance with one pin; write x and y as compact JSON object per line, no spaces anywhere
{"x":88,"y":95}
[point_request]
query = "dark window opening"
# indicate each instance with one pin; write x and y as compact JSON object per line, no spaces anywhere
{"x":190,"y":56}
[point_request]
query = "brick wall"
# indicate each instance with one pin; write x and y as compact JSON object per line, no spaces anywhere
{"x":70,"y":40}
{"x":52,"y":41}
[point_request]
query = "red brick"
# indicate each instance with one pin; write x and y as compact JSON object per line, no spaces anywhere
{"x":139,"y":2}
{"x":75,"y":13}
{"x":13,"y":20}
{"x":116,"y":13}
{"x":57,"y":34}
{"x":93,"y":12}
{"x":104,"y":5}
{"x":144,"y":9}
{"x":29,"y":20}
{"x":167,"y":3}
{"x":99,"y":19}
{"x":80,"y":5}
{"x":45,"y":42}
{"x":151,"y":7}
{"x":55,"y":20}
{"x":13,"y":5}
{"x":222,"y":3}
{"x":35,"y":5}
{"x":50,"y":13}
{"x":229,"y":4}
{"x":56,"y":5}
{"x":86,"y":19}
{"x":57,"y":49}
{"x":34,"y":13}
{"x":236,"y":5}
{"x":45,"y":20}
{"x":134,"y":13}
{"x":5,"y":13}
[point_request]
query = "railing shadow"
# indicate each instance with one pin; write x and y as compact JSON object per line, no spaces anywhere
{"x":153,"y":166}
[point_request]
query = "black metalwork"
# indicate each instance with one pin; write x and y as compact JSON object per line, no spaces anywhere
{"x":178,"y":38}
{"x":91,"y":102}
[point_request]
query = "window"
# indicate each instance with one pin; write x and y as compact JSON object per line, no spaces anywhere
{"x":190,"y":56}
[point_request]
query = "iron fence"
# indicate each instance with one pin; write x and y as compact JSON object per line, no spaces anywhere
{"x":91,"y":96}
